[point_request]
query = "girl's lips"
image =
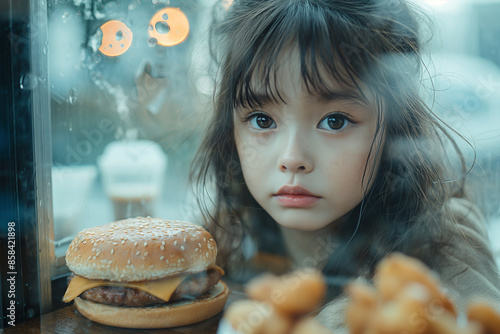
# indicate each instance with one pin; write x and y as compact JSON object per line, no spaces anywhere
{"x":296,"y":197}
{"x":296,"y":201}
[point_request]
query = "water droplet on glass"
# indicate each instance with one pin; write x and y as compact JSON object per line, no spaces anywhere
{"x":28,"y":81}
{"x":152,"y":42}
{"x":162,"y":27}
{"x":98,"y":59}
{"x":65,"y":16}
{"x":119,"y":35}
{"x":72,"y":96}
{"x":165,"y":17}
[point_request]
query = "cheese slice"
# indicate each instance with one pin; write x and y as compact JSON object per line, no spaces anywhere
{"x":162,"y":288}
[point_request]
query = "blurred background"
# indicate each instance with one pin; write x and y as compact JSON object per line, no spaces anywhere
{"x":462,"y":84}
{"x":134,"y":73}
{"x":118,"y":92}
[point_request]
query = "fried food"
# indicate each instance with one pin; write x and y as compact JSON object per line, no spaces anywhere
{"x":407,"y":297}
{"x":396,"y":271}
{"x":255,"y":317}
{"x":485,"y":316}
{"x":294,"y":294}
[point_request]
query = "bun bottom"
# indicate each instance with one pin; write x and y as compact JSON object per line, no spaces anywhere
{"x":174,"y":314}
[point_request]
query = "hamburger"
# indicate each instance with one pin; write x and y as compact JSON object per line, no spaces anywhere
{"x":145,"y":273}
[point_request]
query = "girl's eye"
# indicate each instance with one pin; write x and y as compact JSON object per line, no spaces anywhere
{"x":334,"y":122}
{"x":261,"y":121}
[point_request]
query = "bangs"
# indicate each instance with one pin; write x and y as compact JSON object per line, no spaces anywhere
{"x":323,"y":41}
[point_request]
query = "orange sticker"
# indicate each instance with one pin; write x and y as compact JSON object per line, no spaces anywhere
{"x":168,"y":27}
{"x":116,"y":38}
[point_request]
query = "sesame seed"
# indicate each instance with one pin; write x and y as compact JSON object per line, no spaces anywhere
{"x":196,"y":249}
{"x":135,"y":243}
{"x":151,"y":266}
{"x":113,"y":251}
{"x":206,"y":254}
{"x":123,"y":241}
{"x":162,"y":257}
{"x":182,"y":248}
{"x":163,"y":243}
{"x":115,"y":243}
{"x":128,"y":262}
{"x":145,"y":244}
{"x":166,"y":261}
{"x":93,"y":257}
{"x":184,"y":239}
{"x":175,"y":242}
{"x":162,"y":248}
{"x":146,"y":254}
{"x":138,"y":253}
{"x":199,"y":244}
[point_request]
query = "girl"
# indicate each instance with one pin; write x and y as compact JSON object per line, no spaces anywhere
{"x":320,"y":148}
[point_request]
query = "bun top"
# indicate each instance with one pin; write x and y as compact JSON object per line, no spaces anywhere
{"x":139,"y":249}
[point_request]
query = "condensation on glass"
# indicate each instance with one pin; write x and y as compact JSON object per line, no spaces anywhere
{"x":129,"y":87}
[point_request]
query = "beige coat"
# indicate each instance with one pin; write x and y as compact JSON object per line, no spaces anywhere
{"x":467,"y":269}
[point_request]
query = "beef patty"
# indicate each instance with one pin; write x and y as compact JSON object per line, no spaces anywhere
{"x":194,"y":285}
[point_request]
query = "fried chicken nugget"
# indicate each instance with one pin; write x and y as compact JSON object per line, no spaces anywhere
{"x":294,"y":294}
{"x":405,"y":313}
{"x":254,"y":317}
{"x":485,"y":316}
{"x":447,"y":324}
{"x":361,"y":307}
{"x":395,"y":271}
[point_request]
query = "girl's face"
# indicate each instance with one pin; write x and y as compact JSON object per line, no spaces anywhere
{"x":303,"y":160}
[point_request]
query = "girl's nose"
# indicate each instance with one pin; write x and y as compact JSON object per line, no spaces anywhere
{"x":295,"y":158}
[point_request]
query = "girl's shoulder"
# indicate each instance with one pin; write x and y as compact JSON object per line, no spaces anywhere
{"x":466,"y":264}
{"x":464,"y":218}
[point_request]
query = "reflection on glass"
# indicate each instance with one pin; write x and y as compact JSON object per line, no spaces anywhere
{"x":169,"y":27}
{"x":132,"y":174}
{"x":116,"y":38}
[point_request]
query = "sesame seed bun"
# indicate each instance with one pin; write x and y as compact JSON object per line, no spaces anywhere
{"x":171,"y":315}
{"x":139,"y":249}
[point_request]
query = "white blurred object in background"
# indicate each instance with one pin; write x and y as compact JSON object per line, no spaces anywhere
{"x":71,"y":186}
{"x":133,"y":173}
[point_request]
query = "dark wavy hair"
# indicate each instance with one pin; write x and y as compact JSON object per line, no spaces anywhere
{"x":368,"y":46}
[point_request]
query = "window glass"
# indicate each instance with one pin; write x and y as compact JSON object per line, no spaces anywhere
{"x":128,"y":88}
